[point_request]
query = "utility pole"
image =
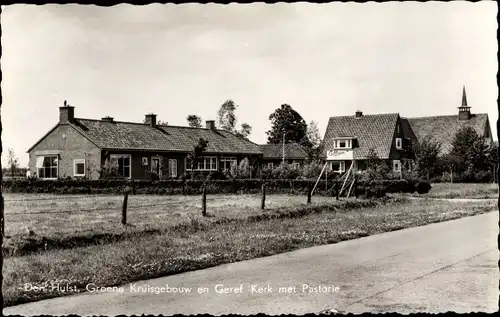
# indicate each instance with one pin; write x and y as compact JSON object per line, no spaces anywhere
{"x":283,"y":147}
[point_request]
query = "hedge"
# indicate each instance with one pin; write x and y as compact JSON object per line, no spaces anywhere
{"x":376,"y":188}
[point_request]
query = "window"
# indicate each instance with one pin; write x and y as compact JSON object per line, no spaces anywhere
{"x":144,"y":161}
{"x":343,"y":144}
{"x":122,"y":161}
{"x":399,"y":143}
{"x":47,"y":166}
{"x":398,"y":128}
{"x":226,"y":162}
{"x":295,"y":165}
{"x":172,"y":168}
{"x":205,"y":163}
{"x":79,"y":167}
{"x":396,"y":166}
{"x":337,"y":166}
{"x":270,"y":165}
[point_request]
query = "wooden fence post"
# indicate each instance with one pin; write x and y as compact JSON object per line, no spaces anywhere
{"x":133,"y":187}
{"x":263,"y":202}
{"x":204,"y":201}
{"x":309,"y":191}
{"x":124,"y":209}
{"x":2,"y":216}
{"x":89,"y":187}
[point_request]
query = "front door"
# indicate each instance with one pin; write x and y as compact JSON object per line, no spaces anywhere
{"x":155,"y":167}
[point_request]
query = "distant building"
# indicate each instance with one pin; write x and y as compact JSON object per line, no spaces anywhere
{"x":292,"y":153}
{"x":80,"y":147}
{"x":349,"y":139}
{"x":444,"y":128}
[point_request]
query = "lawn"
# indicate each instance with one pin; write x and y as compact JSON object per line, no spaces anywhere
{"x":457,"y":190}
{"x":447,"y":190}
{"x":204,"y":242}
{"x":79,"y":220}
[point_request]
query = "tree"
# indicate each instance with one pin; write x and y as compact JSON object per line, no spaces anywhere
{"x":469,"y":151}
{"x":226,"y":120}
{"x":312,"y":141}
{"x":376,"y":167}
{"x":13,"y":161}
{"x":244,"y":168}
{"x":285,"y":120}
{"x":194,"y":121}
{"x":427,"y":155}
{"x":197,"y":152}
{"x":245,"y":131}
{"x":313,"y":134}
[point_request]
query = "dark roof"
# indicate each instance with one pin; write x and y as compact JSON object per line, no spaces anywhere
{"x":139,"y":136}
{"x":444,"y":128}
{"x":371,"y":132}
{"x":275,"y":151}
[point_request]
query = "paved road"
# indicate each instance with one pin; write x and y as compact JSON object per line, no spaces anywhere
{"x":435,"y":268}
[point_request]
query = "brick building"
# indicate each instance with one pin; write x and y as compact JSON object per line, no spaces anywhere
{"x":81,"y":147}
{"x":349,"y":139}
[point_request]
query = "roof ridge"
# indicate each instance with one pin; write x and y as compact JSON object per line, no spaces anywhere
{"x":368,"y":115}
{"x":444,"y":115}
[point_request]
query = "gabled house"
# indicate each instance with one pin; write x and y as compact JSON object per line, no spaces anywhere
{"x":81,"y":147}
{"x":349,"y":139}
{"x":444,"y":128}
{"x":275,"y":154}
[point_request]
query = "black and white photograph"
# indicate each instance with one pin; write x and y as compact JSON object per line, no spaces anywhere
{"x":285,"y":158}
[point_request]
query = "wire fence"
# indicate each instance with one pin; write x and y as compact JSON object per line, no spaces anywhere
{"x":119,"y":204}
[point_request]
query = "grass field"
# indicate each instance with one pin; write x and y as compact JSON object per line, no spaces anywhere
{"x":53,"y":215}
{"x":204,"y":242}
{"x":78,"y":220}
{"x":447,"y":190}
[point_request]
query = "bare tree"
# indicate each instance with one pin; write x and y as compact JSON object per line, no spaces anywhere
{"x":13,"y":161}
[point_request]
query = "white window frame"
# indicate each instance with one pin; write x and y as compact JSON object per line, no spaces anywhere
{"x":348,"y":144}
{"x":203,"y":162}
{"x":144,"y":161}
{"x":224,"y":160}
{"x":270,"y":165}
{"x":75,"y":170}
{"x":341,"y":168}
{"x":398,"y":164}
{"x":399,"y":143}
{"x":171,"y":168}
{"x":40,"y":159}
{"x":117,"y":156}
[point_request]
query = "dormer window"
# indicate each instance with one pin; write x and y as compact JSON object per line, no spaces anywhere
{"x":343,"y":144}
{"x":399,"y":144}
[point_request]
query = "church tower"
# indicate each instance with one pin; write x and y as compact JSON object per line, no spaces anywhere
{"x":464,"y":110}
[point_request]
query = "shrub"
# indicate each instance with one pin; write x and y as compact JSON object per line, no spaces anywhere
{"x":423,"y":187}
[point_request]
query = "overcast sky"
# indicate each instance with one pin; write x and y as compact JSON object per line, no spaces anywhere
{"x":175,"y":60}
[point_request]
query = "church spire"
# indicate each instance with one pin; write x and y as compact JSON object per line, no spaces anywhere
{"x":464,"y":98}
{"x":464,"y":110}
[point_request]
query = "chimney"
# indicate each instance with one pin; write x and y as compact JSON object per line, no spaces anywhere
{"x":210,"y":124}
{"x":107,"y":119}
{"x":66,"y":113}
{"x":359,"y":114}
{"x":150,"y":119}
